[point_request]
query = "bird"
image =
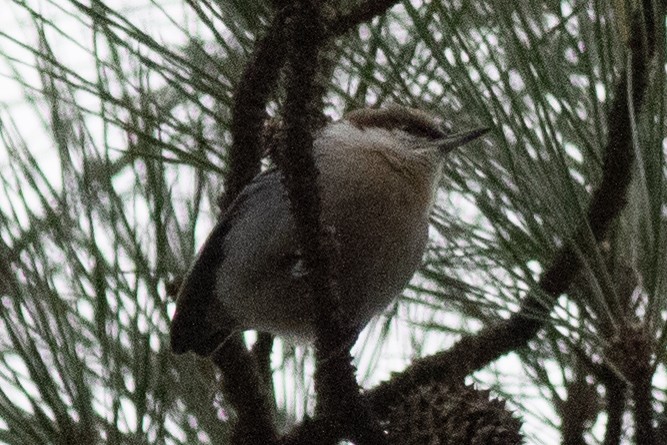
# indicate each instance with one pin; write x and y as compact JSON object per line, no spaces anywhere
{"x":379,"y":170}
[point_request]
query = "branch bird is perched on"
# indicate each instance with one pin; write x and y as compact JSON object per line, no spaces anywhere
{"x":378,"y":173}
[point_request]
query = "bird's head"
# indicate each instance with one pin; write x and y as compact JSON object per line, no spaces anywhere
{"x":415,"y":129}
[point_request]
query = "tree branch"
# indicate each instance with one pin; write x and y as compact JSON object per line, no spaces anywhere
{"x":247,"y":394}
{"x":643,"y":408}
{"x":616,"y":400}
{"x":615,"y":394}
{"x":242,"y":379}
{"x":633,"y":352}
{"x":243,"y":384}
{"x":340,"y":406}
{"x":261,"y":350}
{"x":258,"y":81}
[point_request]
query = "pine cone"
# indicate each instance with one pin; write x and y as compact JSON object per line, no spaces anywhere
{"x":457,"y":415}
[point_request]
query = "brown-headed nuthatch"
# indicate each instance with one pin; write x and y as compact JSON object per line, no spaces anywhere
{"x":378,"y":173}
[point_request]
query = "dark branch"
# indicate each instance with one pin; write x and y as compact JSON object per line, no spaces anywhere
{"x":244,"y":386}
{"x":577,"y":410}
{"x":616,"y":400}
{"x":261,"y":350}
{"x":340,"y":410}
{"x":311,"y":431}
{"x":632,"y":352}
{"x":643,"y":406}
{"x":243,"y":380}
{"x":642,"y":46}
{"x":257,"y":83}
{"x":246,"y":393}
{"x":615,"y":395}
{"x":296,"y":161}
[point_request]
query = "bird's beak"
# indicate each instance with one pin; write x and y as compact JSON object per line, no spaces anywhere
{"x":451,"y":141}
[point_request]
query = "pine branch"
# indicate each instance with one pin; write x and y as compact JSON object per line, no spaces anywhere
{"x":340,"y":406}
{"x":258,"y":81}
{"x":474,"y":352}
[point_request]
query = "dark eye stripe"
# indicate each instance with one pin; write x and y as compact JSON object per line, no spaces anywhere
{"x":423,"y":131}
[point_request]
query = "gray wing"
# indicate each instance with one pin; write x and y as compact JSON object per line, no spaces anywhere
{"x":256,"y":228}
